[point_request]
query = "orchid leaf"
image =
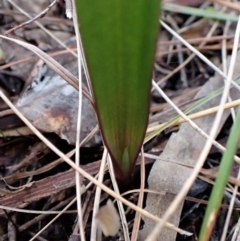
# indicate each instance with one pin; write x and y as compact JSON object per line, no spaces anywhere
{"x":119,"y":38}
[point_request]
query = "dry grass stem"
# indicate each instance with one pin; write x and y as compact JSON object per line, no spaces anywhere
{"x":93,"y":236}
{"x":199,"y":114}
{"x":31,"y":20}
{"x":198,"y":40}
{"x":232,"y":5}
{"x":224,"y":61}
{"x":22,"y":210}
{"x":213,"y":47}
{"x":27,"y":59}
{"x":137,"y":218}
{"x":78,"y":131}
{"x":119,"y":203}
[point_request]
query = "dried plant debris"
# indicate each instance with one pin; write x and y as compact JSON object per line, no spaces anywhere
{"x":51,"y":104}
{"x":108,"y":219}
{"x":43,"y":188}
{"x":14,"y":52}
{"x":31,"y":177}
{"x":187,"y":2}
{"x":38,"y":190}
{"x":184,"y":146}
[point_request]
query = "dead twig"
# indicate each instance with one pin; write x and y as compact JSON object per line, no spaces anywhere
{"x":40,"y":15}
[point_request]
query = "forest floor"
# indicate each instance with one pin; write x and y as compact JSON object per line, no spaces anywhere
{"x":36,"y":184}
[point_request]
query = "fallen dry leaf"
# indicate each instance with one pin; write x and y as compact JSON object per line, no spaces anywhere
{"x":184,"y":146}
{"x":51,"y":104}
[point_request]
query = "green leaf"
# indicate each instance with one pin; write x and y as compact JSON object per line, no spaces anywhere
{"x":209,"y":12}
{"x":119,"y":38}
{"x":224,"y":171}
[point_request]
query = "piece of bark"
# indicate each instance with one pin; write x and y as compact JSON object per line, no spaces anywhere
{"x":184,"y":146}
{"x":45,"y":187}
{"x":39,"y":189}
{"x":48,"y":186}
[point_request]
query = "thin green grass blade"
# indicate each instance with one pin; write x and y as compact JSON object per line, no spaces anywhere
{"x":221,"y":181}
{"x":189,"y":110}
{"x":209,"y":12}
{"x":119,"y":38}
